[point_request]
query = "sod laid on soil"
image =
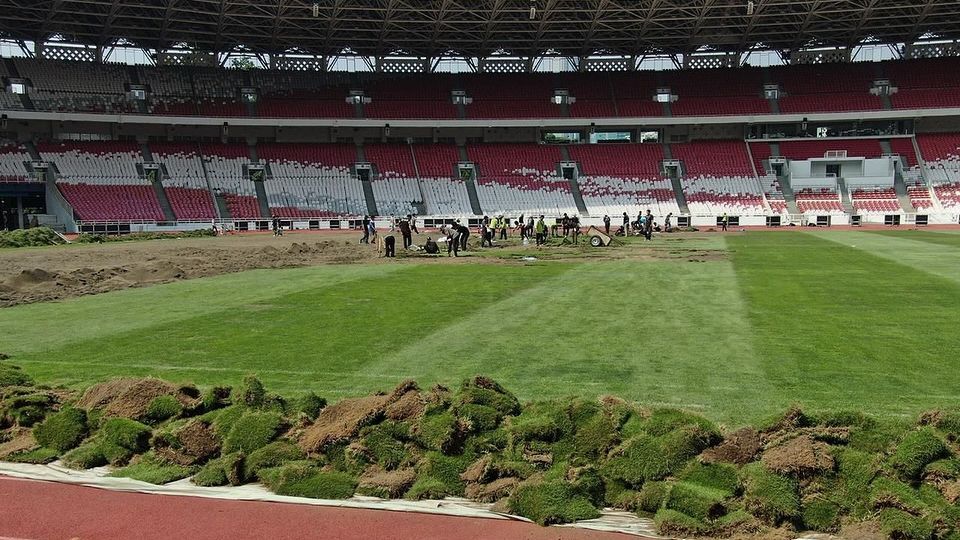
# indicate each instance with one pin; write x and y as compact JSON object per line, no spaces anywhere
{"x":829,"y":320}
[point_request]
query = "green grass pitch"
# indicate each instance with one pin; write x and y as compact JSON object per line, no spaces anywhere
{"x":826,"y":319}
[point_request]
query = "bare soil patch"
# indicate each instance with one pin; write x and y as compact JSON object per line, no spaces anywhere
{"x":59,"y":272}
{"x":52,"y":273}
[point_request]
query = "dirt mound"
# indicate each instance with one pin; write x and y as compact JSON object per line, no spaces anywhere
{"x":99,"y":395}
{"x":392,"y":483}
{"x":409,"y":406}
{"x":20,"y":440}
{"x":792,"y":419}
{"x":129,"y":397}
{"x":494,"y":491}
{"x":34,"y":276}
{"x":863,"y":530}
{"x":739,"y":448}
{"x":198,"y":443}
{"x":478,"y":471}
{"x":799,"y":457}
{"x":342,"y":421}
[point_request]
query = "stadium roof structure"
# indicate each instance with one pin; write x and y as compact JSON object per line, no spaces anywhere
{"x":481,"y":28}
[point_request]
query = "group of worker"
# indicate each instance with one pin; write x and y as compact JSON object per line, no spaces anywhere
{"x":643,"y":226}
{"x":456,"y":235}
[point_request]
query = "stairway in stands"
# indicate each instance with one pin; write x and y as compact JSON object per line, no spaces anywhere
{"x":368,"y":195}
{"x":845,"y":199}
{"x":575,"y":184}
{"x":788,"y":195}
{"x":263,"y":202}
{"x":471,"y":184}
{"x":168,"y":213}
{"x":898,"y":184}
{"x":675,"y":182}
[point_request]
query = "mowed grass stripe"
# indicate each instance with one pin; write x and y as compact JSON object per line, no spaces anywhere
{"x":949,"y":239}
{"x":331,"y":329}
{"x":657,"y":332}
{"x":50,"y":325}
{"x":842,"y":328}
{"x":936,"y":258}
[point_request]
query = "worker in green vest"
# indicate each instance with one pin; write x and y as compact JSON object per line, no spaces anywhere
{"x":541,"y":231}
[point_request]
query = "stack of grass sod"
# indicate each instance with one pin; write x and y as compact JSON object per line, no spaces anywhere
{"x":553,"y":462}
{"x":40,"y":236}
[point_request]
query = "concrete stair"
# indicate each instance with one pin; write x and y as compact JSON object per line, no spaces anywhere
{"x":845,"y":199}
{"x":471,"y":183}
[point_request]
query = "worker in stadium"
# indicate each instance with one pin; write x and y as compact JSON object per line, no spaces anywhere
{"x":504,"y":225}
{"x":724,"y":221}
{"x":541,"y":231}
{"x":413,"y":223}
{"x":626,"y":223}
{"x":522,"y":227}
{"x":431,"y":247}
{"x":371,"y":231}
{"x":390,"y":246}
{"x":404,"y":227}
{"x":667,"y":227}
{"x":452,"y":233}
{"x":648,"y":225}
{"x":606,"y":224}
{"x":464,"y":235}
{"x":366,"y":230}
{"x":565,"y":224}
{"x":486,"y":233}
{"x":277,"y":231}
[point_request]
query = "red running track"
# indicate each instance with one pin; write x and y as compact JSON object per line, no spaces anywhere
{"x":42,"y":510}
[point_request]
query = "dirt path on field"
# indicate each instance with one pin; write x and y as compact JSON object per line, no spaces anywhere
{"x":31,"y":275}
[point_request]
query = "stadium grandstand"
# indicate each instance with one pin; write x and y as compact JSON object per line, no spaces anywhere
{"x":472,"y":270}
{"x":774,"y":113}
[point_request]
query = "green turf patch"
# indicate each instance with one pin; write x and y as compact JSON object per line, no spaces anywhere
{"x":916,"y":450}
{"x":63,"y":430}
{"x":38,"y":456}
{"x":772,"y":498}
{"x":122,"y":438}
{"x":153,"y":471}
{"x":274,"y":454}
{"x":551,"y":502}
{"x":252,"y":431}
{"x":302,"y":479}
